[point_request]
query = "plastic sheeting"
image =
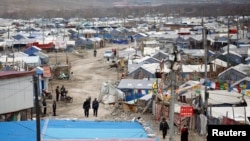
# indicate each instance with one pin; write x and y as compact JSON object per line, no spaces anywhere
{"x":109,"y":94}
{"x":202,"y":124}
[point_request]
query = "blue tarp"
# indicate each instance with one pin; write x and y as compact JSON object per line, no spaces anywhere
{"x":18,"y":37}
{"x":31,"y":50}
{"x":83,"y":42}
{"x":106,"y":36}
{"x":120,"y":41}
{"x":131,"y":94}
{"x":71,"y":129}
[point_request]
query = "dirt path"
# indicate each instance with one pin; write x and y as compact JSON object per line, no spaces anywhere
{"x":89,"y":73}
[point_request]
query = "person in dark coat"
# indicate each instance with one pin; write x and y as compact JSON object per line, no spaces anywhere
{"x":115,"y":52}
{"x":184,"y":133}
{"x":54,"y":108}
{"x":44,"y":107}
{"x":89,"y":101}
{"x":57,"y":93}
{"x":95,"y":105}
{"x":164,"y":127}
{"x":63,"y":91}
{"x":95,"y":52}
{"x":86,"y":107}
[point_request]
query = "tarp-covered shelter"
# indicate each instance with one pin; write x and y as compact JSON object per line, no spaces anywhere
{"x":43,"y":57}
{"x":86,"y":42}
{"x":234,"y":73}
{"x":31,"y":50}
{"x":219,"y":98}
{"x":109,"y":94}
{"x":147,"y":71}
{"x":135,"y":88}
{"x":235,"y":113}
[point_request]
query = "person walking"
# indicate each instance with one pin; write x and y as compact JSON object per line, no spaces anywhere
{"x":95,"y":105}
{"x":95,"y":52}
{"x":86,"y":107}
{"x":57,"y":93}
{"x":184,"y":133}
{"x":54,"y":108}
{"x":114,"y":52}
{"x":164,"y":127}
{"x":44,"y":107}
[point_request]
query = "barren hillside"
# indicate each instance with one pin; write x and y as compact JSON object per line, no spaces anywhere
{"x":17,"y":5}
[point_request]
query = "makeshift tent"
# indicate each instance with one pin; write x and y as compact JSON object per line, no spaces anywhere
{"x":235,"y":113}
{"x":110,"y":94}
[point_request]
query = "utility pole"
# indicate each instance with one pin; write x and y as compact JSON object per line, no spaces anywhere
{"x":243,"y":27}
{"x":8,"y":32}
{"x":172,"y":105}
{"x":43,"y":29}
{"x":174,"y":67}
{"x":38,"y":135}
{"x":228,"y":42}
{"x":237,"y":31}
{"x":204,"y":37}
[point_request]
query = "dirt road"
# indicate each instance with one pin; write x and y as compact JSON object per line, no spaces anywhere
{"x":89,"y":73}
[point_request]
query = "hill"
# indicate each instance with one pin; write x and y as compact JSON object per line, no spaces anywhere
{"x":21,"y":5}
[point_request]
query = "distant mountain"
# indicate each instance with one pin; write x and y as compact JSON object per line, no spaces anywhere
{"x":53,"y":8}
{"x":20,"y":5}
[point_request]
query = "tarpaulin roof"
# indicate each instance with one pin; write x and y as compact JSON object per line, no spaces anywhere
{"x":69,"y":130}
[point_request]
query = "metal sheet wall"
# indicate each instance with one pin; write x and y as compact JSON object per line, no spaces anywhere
{"x":16,"y":94}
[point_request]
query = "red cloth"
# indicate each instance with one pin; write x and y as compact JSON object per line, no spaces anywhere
{"x":183,"y":130}
{"x":238,"y":88}
{"x":217,"y":85}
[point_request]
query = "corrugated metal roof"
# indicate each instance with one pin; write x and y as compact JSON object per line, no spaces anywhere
{"x":72,"y":130}
{"x":14,"y":74}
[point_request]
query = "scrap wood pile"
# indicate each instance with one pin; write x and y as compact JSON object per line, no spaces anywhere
{"x":59,"y":71}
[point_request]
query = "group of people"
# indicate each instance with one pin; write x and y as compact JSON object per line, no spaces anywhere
{"x":45,"y":107}
{"x":61,"y":91}
{"x":87,"y":105}
{"x":164,"y":128}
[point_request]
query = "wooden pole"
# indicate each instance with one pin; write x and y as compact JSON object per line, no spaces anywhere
{"x":245,"y":114}
{"x":233,"y":112}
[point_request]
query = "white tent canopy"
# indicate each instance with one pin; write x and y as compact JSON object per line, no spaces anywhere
{"x":110,"y":94}
{"x":223,"y":96}
{"x":236,"y":113}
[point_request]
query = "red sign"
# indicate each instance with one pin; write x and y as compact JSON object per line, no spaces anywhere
{"x":186,"y":111}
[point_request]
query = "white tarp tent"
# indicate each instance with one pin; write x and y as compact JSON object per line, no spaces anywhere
{"x":217,"y":97}
{"x":110,"y":94}
{"x":237,"y":113}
